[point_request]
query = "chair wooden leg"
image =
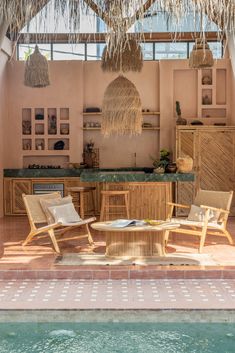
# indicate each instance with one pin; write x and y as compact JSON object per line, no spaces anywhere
{"x":53,"y":239}
{"x":90,"y":239}
{"x":202,"y":241}
{"x":29,"y":238}
{"x":82,"y":211}
{"x":228,"y":235}
{"x":166,"y":237}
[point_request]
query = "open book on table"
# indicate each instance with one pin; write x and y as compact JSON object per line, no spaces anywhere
{"x":121,"y":223}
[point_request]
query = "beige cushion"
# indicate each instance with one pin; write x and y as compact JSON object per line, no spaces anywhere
{"x":186,"y":222}
{"x":46,"y":203}
{"x":65,"y":213}
{"x":197,"y":214}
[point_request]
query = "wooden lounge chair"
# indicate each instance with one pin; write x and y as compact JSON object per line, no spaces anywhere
{"x":36,"y":217}
{"x":216,"y":201}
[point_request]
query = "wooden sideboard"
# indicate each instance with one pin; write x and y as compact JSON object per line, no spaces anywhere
{"x":15,"y":187}
{"x":147,"y":199}
{"x":213,"y":151}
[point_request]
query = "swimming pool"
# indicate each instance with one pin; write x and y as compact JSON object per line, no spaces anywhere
{"x":111,"y":337}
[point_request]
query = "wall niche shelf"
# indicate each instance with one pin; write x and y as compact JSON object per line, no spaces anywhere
{"x":100,"y":113}
{"x":94,"y":125}
{"x":99,"y":129}
{"x":43,"y":127}
{"x":213,"y":88}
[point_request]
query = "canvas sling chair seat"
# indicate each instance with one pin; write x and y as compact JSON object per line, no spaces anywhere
{"x":39,"y":224}
{"x":208,"y":200}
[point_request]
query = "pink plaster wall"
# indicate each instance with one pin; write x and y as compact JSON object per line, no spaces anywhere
{"x":65,"y":91}
{"x":77,"y":85}
{"x":120,"y":151}
{"x":3,"y":116}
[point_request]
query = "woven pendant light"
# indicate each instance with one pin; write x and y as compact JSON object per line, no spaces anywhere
{"x":201,"y":56}
{"x":123,"y":55}
{"x":36,"y":70}
{"x":121,"y":109}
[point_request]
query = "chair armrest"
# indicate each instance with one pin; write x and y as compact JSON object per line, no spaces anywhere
{"x":215,"y":209}
{"x":177,"y":205}
{"x":79,"y":223}
{"x":50,"y":226}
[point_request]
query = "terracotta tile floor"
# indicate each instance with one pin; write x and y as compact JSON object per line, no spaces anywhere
{"x":37,"y":260}
{"x":117,"y":294}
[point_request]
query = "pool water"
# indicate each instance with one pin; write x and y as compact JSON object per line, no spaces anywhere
{"x":117,"y":338}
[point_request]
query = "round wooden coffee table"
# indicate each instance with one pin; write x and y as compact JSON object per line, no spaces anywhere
{"x":134,"y":241}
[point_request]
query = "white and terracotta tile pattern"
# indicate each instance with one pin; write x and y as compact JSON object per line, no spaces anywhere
{"x":117,"y":294}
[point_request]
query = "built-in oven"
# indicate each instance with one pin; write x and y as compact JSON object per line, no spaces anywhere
{"x":47,"y":188}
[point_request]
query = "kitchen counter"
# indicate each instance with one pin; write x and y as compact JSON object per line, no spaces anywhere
{"x":101,"y":175}
{"x":134,"y":176}
{"x":149,"y":193}
{"x":42,"y":173}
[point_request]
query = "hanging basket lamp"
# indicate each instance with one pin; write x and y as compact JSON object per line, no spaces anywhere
{"x":122,"y":54}
{"x":201,"y":56}
{"x":121,"y":109}
{"x":36,"y":73}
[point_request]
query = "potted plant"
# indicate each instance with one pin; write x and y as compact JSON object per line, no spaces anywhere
{"x":180,"y":120}
{"x":161,"y":164}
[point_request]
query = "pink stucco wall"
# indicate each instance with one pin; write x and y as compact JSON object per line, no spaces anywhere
{"x":77,"y":85}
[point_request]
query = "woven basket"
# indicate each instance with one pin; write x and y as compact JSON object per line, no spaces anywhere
{"x":184,"y":164}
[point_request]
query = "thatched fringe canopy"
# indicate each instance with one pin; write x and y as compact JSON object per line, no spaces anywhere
{"x":119,"y":15}
{"x":121,"y":109}
{"x":122,"y":54}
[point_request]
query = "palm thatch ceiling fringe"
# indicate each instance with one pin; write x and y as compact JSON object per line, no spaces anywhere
{"x":4,"y":24}
{"x":114,"y":21}
{"x":120,"y":14}
{"x":214,"y":8}
{"x":19,"y":12}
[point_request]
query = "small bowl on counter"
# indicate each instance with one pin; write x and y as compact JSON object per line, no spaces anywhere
{"x":171,"y":168}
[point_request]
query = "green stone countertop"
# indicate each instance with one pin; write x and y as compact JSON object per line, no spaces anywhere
{"x":101,"y":175}
{"x":42,"y":173}
{"x":133,"y":176}
{"x":60,"y":172}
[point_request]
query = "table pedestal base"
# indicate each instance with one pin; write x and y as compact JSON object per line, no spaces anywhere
{"x":135,"y":244}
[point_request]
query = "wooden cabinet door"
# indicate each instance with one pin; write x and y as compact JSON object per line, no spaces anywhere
{"x":19,"y":187}
{"x":7,"y":196}
{"x":186,"y":146}
{"x":217,"y":161}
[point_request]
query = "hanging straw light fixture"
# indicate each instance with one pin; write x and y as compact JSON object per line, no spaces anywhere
{"x":121,"y":109}
{"x":201,"y":56}
{"x":36,"y":70}
{"x":122,"y":54}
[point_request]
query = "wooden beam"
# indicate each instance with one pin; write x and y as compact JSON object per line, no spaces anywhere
{"x":138,"y":13}
{"x":126,"y":22}
{"x":39,"y":5}
{"x":101,"y":37}
{"x":98,"y":11}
